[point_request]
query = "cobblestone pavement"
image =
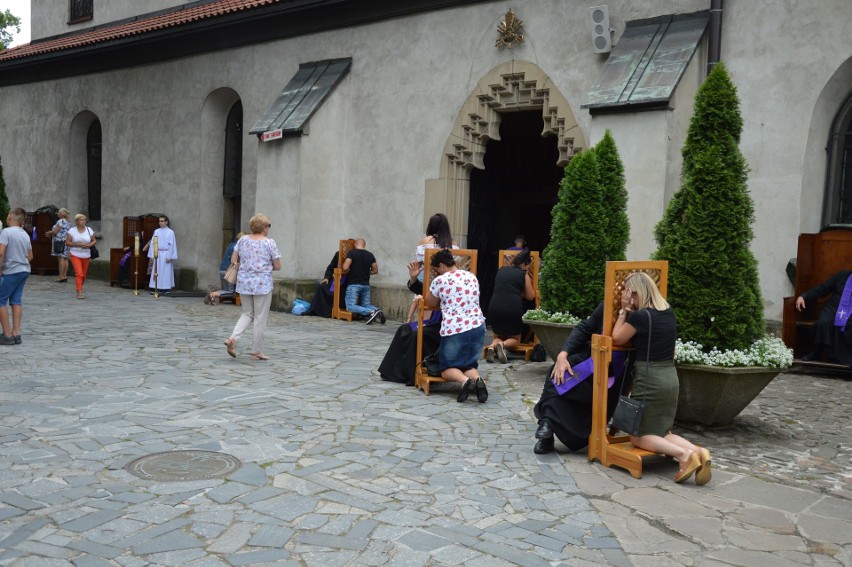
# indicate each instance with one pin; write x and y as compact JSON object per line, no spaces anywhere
{"x":340,"y":468}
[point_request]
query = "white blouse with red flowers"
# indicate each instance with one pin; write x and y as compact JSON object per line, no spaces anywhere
{"x":458,"y":291}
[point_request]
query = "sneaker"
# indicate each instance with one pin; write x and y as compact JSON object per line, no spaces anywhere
{"x":382,"y":318}
{"x":489,"y":354}
{"x":6,"y":340}
{"x":501,"y":353}
{"x":373,"y":315}
{"x":17,"y":339}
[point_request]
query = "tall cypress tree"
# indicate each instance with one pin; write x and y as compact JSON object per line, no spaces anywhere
{"x":4,"y":200}
{"x":614,"y":195}
{"x":706,"y":230}
{"x":572,"y":274}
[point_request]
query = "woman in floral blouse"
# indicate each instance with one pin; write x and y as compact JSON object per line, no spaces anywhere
{"x":462,"y":326}
{"x":258,"y":257}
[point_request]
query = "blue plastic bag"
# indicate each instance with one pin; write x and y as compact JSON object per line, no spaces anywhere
{"x":300,"y":307}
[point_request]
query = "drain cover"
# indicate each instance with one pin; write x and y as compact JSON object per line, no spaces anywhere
{"x":183,"y":465}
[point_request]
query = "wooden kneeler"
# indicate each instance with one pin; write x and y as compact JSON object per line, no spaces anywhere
{"x":504,"y":258}
{"x":336,"y":312}
{"x":465,"y":260}
{"x":616,"y":449}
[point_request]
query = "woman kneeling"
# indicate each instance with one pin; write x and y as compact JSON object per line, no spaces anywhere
{"x":456,"y":291}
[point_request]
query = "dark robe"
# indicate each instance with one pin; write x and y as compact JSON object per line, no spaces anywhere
{"x":570,"y":415}
{"x":836,"y":345}
{"x":400,"y":360}
{"x":324,"y":296}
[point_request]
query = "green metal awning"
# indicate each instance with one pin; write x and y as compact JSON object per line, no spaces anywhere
{"x":648,"y":62}
{"x":302,"y":96}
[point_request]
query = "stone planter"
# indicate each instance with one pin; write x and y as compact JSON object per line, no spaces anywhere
{"x":714,"y":395}
{"x":551,"y":335}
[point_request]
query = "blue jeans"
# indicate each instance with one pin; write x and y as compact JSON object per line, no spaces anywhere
{"x":358,"y":299}
{"x":12,"y":288}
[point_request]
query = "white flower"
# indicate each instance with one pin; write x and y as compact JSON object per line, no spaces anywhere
{"x":558,"y":317}
{"x":770,"y":351}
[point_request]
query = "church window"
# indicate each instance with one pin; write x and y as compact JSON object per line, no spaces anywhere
{"x":81,"y":10}
{"x":838,"y":198}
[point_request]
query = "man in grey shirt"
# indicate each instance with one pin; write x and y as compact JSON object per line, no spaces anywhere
{"x":16,"y":253}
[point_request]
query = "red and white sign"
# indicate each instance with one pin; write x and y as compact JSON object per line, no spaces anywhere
{"x":273,"y":135}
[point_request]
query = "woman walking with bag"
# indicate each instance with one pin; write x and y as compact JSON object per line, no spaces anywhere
{"x":80,"y":241}
{"x":257,"y":256}
{"x":58,"y":249}
{"x":648,"y":321}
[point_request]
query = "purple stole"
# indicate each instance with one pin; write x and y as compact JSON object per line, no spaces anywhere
{"x":587,"y":368}
{"x":845,"y":306}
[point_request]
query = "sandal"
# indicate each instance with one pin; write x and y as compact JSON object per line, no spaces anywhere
{"x":259,"y":356}
{"x":232,"y":347}
{"x":209,"y":299}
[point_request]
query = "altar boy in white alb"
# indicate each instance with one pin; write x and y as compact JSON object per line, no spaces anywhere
{"x":163,"y":273}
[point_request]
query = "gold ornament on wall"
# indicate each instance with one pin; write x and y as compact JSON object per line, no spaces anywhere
{"x":510,"y":31}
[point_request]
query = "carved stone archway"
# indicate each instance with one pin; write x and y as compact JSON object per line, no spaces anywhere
{"x":510,"y":87}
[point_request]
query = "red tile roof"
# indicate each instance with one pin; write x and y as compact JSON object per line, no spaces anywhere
{"x":122,"y":30}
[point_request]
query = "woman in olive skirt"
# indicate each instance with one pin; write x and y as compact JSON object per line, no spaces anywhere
{"x":647,"y":320}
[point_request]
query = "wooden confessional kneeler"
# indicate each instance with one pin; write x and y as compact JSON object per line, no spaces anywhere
{"x":616,"y":449}
{"x":336,"y":312}
{"x":465,"y":260}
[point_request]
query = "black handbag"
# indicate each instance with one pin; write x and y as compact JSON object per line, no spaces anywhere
{"x":629,"y":411}
{"x":94,"y":253}
{"x":58,"y":246}
{"x":538,"y":353}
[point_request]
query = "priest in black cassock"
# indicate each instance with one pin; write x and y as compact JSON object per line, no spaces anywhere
{"x":569,"y":416}
{"x":324,"y":294}
{"x":832,"y":333}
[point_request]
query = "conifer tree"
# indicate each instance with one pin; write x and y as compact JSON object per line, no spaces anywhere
{"x":4,"y":200}
{"x":572,"y":274}
{"x":706,"y":230}
{"x":614,"y":195}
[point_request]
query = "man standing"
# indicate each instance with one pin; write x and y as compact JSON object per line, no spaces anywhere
{"x":16,"y":253}
{"x":359,"y":265}
{"x":163,"y":274}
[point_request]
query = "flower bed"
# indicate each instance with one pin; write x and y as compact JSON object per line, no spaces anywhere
{"x":769,"y":352}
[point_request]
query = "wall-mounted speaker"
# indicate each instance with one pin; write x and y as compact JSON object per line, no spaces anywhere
{"x":601,"y":34}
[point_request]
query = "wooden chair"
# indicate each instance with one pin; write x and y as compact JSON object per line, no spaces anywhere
{"x":616,"y":449}
{"x":336,"y":312}
{"x":504,"y":258}
{"x":819,"y":257}
{"x":465,"y":260}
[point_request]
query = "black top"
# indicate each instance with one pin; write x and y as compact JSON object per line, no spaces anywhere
{"x":507,"y":306}
{"x":359,"y":270}
{"x":663,"y":334}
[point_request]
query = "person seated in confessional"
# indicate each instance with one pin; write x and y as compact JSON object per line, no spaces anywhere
{"x":520,"y":243}
{"x":832,"y":333}
{"x":321,"y":306}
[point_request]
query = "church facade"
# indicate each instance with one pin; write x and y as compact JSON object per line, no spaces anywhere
{"x":350,"y":118}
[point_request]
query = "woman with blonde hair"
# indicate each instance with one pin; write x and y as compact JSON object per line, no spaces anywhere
{"x":58,"y":249}
{"x":647,"y":321}
{"x":258,"y":257}
{"x":80,"y":240}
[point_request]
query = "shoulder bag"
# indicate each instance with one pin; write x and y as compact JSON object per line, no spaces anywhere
{"x":93,"y":251}
{"x":58,"y":246}
{"x":628,"y":413}
{"x":231,"y":272}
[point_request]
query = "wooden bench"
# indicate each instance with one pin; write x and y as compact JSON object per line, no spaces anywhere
{"x":504,"y":258}
{"x":819,"y":257}
{"x":607,"y":448}
{"x":465,"y":260}
{"x":336,"y":311}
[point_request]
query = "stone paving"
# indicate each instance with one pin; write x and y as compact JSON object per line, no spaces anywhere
{"x":340,"y":468}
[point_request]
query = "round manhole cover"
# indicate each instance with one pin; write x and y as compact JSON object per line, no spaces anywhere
{"x":183,"y":465}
